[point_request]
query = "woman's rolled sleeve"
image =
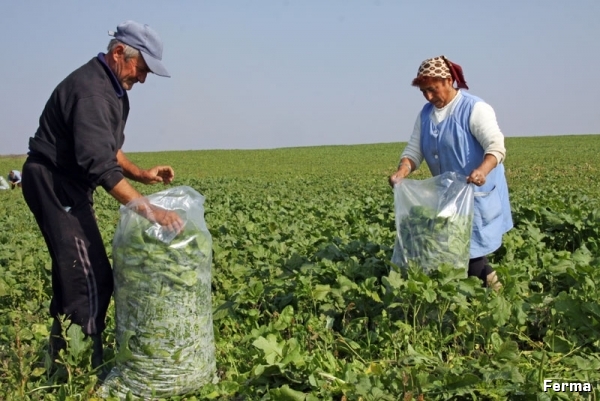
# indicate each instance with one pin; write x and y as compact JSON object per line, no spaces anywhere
{"x":413,"y":148}
{"x":485,"y":129}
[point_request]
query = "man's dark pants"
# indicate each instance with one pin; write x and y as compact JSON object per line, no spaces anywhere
{"x":82,"y":281}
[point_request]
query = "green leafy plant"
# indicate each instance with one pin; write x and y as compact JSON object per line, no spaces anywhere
{"x":306,"y":304}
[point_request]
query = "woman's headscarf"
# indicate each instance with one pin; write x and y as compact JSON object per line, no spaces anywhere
{"x":441,"y":67}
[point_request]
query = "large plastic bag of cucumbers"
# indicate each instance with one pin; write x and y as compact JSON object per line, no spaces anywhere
{"x":434,"y":221}
{"x":162,"y":296}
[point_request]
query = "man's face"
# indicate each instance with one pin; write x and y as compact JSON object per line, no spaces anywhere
{"x":130,"y":71}
{"x":438,"y":92}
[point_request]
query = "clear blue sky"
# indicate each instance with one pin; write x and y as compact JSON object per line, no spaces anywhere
{"x":264,"y":74}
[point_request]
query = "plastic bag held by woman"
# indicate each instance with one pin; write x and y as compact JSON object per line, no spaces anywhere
{"x":434,"y":219}
{"x":162,"y":296}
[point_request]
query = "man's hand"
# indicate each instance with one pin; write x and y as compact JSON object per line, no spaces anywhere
{"x":164,"y":174}
{"x":171,"y":221}
{"x":166,"y":218}
{"x":125,"y":193}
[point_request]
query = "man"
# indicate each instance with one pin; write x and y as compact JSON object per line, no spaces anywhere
{"x":14,"y":178}
{"x":76,"y":148}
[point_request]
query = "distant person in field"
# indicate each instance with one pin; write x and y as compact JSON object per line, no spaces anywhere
{"x":14,"y":179}
{"x":458,"y":132}
{"x":77,"y":148}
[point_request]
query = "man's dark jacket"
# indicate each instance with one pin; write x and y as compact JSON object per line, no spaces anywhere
{"x":81,"y":127}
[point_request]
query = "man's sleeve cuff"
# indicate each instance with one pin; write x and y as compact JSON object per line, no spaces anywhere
{"x":111,"y":180}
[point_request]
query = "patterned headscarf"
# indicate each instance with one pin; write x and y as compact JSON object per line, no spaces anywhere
{"x":441,"y":67}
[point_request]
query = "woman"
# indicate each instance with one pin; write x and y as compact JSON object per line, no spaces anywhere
{"x":458,"y":132}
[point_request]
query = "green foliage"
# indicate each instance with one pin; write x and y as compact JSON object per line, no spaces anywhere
{"x":306,"y":303}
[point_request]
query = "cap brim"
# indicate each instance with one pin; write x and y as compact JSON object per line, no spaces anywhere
{"x":155,"y":65}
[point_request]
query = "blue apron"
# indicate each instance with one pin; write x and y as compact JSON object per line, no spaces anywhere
{"x":450,"y":146}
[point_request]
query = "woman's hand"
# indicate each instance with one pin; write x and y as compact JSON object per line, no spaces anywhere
{"x":395,"y":179}
{"x":404,"y":169}
{"x":477,"y":177}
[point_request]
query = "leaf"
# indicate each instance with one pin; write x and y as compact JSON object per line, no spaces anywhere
{"x":3,"y":288}
{"x":413,"y":357}
{"x":508,"y":351}
{"x":394,"y":280}
{"x":567,"y":306}
{"x":292,"y":353}
{"x":177,"y":355}
{"x":331,"y":252}
{"x":76,"y":341}
{"x":364,"y":386}
{"x":501,"y":310}
{"x":582,"y":257}
{"x":229,"y":387}
{"x":268,"y":370}
{"x":285,"y":393}
{"x":592,"y":308}
{"x":586,"y":363}
{"x":223,"y":310}
{"x":124,"y":353}
{"x":285,"y":318}
{"x":560,"y":266}
{"x":496,"y":341}
{"x":558,"y":344}
{"x":374,"y":369}
{"x":25,"y":334}
{"x":345,"y":284}
{"x":430,"y":295}
{"x":321,"y":291}
{"x":40,"y":330}
{"x":451,"y":274}
{"x":271,"y":348}
{"x":37,"y":372}
{"x":453,"y":382}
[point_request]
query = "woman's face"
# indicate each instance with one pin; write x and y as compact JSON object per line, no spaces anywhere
{"x":438,"y":92}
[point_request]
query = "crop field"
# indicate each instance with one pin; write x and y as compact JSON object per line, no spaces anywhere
{"x":306,"y":304}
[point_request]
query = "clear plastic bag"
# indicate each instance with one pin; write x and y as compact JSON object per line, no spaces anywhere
{"x":434,"y":221}
{"x":3,"y":183}
{"x":163,"y":302}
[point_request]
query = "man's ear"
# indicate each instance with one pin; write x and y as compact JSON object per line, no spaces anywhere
{"x":118,"y":52}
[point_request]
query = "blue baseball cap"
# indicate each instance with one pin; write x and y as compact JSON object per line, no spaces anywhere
{"x":144,"y":39}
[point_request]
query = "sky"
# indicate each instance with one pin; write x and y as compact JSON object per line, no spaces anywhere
{"x":268,"y":74}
